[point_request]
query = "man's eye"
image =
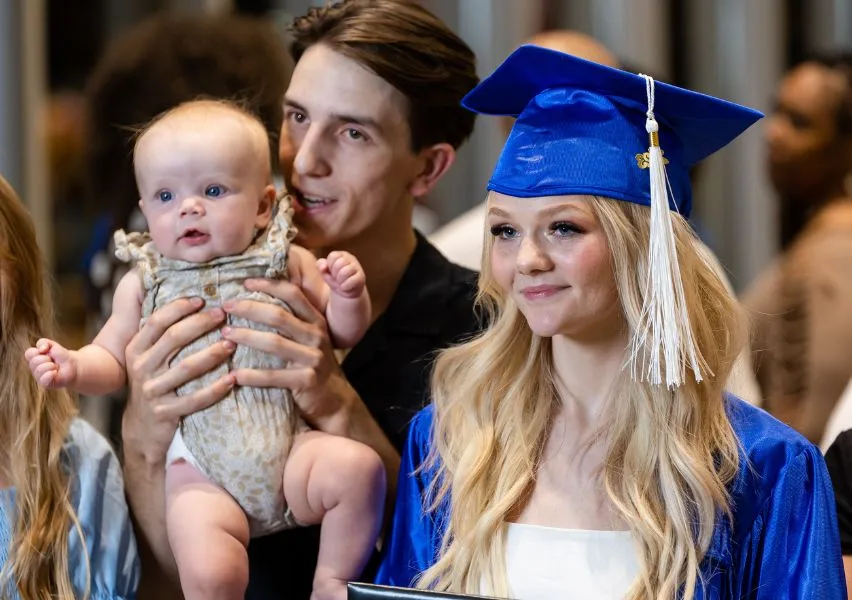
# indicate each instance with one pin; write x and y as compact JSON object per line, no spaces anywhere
{"x":214,"y":191}
{"x":165,"y":196}
{"x":354,"y":134}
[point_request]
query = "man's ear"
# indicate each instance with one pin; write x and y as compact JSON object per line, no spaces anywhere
{"x":436,"y":160}
{"x":264,"y":207}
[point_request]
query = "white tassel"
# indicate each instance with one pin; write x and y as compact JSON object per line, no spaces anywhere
{"x":664,"y":330}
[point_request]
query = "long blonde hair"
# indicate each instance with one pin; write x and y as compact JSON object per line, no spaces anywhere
{"x":670,"y":454}
{"x":35,"y":421}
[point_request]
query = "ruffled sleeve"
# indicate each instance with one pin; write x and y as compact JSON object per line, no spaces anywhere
{"x":98,"y":495}
{"x":414,"y":539}
{"x":280,"y":233}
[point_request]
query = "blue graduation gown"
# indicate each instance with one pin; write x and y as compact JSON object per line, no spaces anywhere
{"x":782,"y":544}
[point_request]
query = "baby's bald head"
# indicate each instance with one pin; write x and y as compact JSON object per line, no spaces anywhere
{"x":224,"y":122}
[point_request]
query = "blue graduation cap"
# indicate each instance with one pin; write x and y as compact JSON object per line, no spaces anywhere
{"x":580,"y":126}
{"x":587,"y":129}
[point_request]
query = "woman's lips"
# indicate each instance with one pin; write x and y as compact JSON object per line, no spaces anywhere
{"x":539,"y":292}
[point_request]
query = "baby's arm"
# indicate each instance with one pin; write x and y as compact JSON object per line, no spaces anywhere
{"x":97,"y":368}
{"x":338,"y":287}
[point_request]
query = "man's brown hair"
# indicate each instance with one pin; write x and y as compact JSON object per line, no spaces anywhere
{"x":411,"y":49}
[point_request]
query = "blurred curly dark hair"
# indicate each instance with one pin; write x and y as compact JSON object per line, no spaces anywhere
{"x":164,"y":61}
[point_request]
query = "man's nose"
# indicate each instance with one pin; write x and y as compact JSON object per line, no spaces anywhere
{"x":311,"y":159}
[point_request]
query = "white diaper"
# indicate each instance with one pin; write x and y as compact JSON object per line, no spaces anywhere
{"x":178,"y":451}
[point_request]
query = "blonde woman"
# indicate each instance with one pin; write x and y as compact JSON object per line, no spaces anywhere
{"x":65,"y":530}
{"x":582,"y":446}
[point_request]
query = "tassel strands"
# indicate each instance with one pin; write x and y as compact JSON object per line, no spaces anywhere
{"x":663,"y":344}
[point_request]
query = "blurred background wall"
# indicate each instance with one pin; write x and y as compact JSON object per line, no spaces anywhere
{"x":733,"y":48}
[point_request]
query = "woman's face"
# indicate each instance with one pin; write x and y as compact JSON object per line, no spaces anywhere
{"x":804,"y":157}
{"x":551,"y":256}
{"x":345,"y":150}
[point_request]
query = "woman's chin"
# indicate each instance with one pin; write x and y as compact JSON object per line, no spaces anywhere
{"x":545,"y":329}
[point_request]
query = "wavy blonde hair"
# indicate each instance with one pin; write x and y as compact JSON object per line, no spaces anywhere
{"x":670,"y":454}
{"x":35,"y":421}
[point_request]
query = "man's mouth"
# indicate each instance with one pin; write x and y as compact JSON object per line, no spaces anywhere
{"x":311,"y":202}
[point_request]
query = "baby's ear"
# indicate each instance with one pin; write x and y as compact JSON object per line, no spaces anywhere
{"x":264,"y":207}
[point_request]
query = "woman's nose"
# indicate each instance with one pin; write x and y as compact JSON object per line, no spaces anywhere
{"x":532,"y":257}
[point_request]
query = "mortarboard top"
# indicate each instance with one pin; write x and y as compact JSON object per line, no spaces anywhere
{"x":580,"y":126}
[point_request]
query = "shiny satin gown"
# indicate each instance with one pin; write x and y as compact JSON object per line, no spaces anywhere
{"x":781,"y":544}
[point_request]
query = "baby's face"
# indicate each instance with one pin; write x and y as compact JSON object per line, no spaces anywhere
{"x":204,"y":183}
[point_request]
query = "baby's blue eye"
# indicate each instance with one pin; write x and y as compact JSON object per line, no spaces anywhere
{"x":165,"y":196}
{"x":214,"y":191}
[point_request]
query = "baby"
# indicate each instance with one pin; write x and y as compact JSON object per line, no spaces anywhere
{"x":248,"y":465}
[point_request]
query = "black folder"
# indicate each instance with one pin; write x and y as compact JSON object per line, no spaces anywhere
{"x":366,"y":591}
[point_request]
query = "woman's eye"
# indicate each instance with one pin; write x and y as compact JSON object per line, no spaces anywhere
{"x":214,"y":191}
{"x":165,"y":196}
{"x":503,"y":232}
{"x":565,"y":229}
{"x":296,"y":116}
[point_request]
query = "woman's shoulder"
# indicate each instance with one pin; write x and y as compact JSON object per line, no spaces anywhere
{"x":772,"y":453}
{"x":88,"y":453}
{"x":420,"y":429}
{"x":97,"y":494}
{"x":757,"y":430}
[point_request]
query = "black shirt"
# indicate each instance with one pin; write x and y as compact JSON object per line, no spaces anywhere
{"x":838,"y":459}
{"x":390,"y":368}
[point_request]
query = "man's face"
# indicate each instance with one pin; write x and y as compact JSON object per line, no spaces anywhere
{"x":345,"y":151}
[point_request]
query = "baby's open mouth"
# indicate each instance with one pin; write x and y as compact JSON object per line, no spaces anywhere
{"x":194,"y":237}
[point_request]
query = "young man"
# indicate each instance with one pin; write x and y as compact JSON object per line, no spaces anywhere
{"x":372,"y":120}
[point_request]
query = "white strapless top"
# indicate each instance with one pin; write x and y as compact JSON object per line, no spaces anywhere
{"x":547,"y":563}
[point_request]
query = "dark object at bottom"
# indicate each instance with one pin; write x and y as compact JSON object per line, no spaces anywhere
{"x":366,"y":591}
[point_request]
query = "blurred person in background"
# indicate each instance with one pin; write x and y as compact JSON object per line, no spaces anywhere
{"x":800,"y":306}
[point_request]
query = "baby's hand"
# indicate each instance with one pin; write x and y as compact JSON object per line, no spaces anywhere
{"x":343,"y":274}
{"x":51,"y":364}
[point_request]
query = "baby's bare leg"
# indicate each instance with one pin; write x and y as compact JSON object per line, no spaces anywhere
{"x":340,"y":483}
{"x":208,"y":533}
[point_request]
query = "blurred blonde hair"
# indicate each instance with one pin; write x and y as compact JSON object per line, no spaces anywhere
{"x":35,"y":421}
{"x":670,"y":454}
